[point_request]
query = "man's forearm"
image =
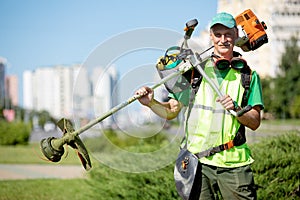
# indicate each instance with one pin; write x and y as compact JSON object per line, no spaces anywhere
{"x":166,"y":110}
{"x":251,"y":119}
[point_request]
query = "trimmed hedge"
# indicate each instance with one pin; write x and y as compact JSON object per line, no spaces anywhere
{"x":13,"y":133}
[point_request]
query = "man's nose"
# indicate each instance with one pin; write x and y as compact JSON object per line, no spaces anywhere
{"x":223,"y":39}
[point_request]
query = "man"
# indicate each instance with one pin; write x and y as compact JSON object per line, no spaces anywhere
{"x":227,"y":173}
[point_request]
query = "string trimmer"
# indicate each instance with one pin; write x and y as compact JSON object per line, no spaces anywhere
{"x":253,"y":38}
{"x":53,"y":148}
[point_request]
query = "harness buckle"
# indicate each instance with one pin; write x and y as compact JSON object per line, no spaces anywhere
{"x":228,"y":145}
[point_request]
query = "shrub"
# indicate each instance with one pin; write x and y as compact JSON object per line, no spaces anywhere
{"x":108,"y":183}
{"x":276,"y":167}
{"x":14,"y":133}
{"x":276,"y":171}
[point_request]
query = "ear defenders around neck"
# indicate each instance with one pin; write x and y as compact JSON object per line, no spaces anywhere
{"x":235,"y":63}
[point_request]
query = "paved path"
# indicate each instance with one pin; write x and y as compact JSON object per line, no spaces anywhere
{"x":34,"y":171}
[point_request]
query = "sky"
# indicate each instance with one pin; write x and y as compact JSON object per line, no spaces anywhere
{"x":36,"y":33}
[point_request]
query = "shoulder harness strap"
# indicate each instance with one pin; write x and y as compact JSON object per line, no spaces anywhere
{"x":246,"y":74}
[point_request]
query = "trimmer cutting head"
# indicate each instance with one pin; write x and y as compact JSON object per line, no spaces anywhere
{"x":49,"y":152}
{"x":53,"y":148}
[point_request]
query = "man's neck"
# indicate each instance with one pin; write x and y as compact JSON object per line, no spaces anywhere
{"x":228,"y":55}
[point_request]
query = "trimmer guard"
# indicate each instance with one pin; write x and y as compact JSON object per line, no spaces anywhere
{"x":67,"y":128}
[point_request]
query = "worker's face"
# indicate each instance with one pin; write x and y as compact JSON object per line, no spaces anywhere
{"x":223,"y":39}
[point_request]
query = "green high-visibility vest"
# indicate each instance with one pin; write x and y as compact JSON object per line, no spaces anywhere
{"x":210,"y":125}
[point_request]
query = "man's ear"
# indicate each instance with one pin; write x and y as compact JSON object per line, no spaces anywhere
{"x":236,"y":33}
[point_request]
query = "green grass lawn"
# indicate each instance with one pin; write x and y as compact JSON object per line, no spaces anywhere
{"x":31,"y":154}
{"x":45,"y":189}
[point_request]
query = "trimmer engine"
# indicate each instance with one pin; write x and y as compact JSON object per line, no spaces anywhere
{"x":252,"y":33}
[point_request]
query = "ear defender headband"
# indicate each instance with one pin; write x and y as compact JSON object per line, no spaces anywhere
{"x":235,"y":63}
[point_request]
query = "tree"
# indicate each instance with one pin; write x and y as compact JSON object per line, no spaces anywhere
{"x":268,"y":95}
{"x":287,"y":82}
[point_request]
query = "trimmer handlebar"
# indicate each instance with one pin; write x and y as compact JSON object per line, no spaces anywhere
{"x":243,"y":110}
{"x":189,"y":28}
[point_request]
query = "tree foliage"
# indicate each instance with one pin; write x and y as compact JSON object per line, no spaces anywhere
{"x":282,"y":94}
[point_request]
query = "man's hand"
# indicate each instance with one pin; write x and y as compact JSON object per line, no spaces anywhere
{"x":250,"y":119}
{"x":147,"y":96}
{"x":227,"y":102}
{"x":167,"y":110}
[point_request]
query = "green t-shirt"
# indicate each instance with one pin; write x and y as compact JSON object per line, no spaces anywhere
{"x":254,"y":98}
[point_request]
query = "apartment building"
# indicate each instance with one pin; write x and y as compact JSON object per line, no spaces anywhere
{"x":64,"y":91}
